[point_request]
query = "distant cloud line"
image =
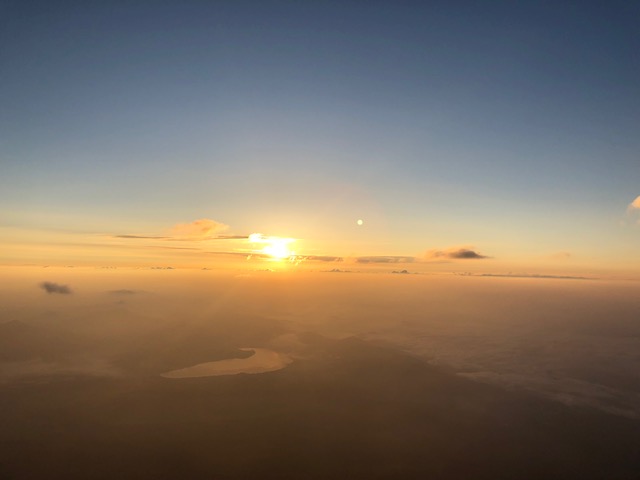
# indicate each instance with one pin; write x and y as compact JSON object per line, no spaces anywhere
{"x":206,"y":229}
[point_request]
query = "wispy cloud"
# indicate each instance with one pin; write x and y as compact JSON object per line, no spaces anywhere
{"x":198,"y":230}
{"x":203,"y":228}
{"x":632,"y":215}
{"x":323,"y":258}
{"x":385,"y":259}
{"x":146,"y":237}
{"x":635,"y":205}
{"x":51,"y":287}
{"x":231,"y":237}
{"x":530,"y":275}
{"x":456,"y":253}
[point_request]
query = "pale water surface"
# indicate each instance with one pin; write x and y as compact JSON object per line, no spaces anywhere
{"x":263,"y":360}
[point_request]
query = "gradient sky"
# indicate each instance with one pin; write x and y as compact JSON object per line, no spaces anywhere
{"x":511,"y":129}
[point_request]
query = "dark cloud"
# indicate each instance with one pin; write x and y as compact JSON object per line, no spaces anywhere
{"x":231,"y":237}
{"x":404,"y":272}
{"x":51,"y":287}
{"x":385,"y":259}
{"x":455,"y":254}
{"x":123,"y":291}
{"x":464,"y":253}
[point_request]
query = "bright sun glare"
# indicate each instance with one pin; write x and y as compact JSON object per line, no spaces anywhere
{"x":276,"y":247}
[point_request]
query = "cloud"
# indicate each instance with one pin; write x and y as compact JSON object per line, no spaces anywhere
{"x":231,"y":237}
{"x":385,"y":259}
{"x":531,"y":275}
{"x":51,"y":287}
{"x":202,"y":229}
{"x":199,"y":229}
{"x":632,"y":215}
{"x":140,"y":236}
{"x":456,"y":253}
{"x":123,"y":291}
{"x":323,"y":258}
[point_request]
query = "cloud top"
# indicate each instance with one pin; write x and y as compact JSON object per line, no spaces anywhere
{"x":51,"y":287}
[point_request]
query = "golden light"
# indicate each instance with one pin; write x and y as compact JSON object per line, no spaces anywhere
{"x":275,"y":247}
{"x":278,"y":248}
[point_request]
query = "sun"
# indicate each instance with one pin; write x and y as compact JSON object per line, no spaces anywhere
{"x":277,"y":248}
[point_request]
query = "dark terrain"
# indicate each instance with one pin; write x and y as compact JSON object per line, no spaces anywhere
{"x":344,"y":409}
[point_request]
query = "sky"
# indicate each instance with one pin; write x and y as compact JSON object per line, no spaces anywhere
{"x":492,"y":137}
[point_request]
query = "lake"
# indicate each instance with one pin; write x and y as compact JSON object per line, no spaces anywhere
{"x":263,"y":360}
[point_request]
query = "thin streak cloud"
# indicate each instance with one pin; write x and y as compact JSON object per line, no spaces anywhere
{"x":385,"y":259}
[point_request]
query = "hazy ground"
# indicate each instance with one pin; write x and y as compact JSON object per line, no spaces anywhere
{"x":389,"y":378}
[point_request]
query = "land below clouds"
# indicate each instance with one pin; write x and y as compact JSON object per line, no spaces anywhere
{"x":343,"y":409}
{"x":374,"y":390}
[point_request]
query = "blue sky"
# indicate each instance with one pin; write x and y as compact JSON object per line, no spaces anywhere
{"x":512,"y":126}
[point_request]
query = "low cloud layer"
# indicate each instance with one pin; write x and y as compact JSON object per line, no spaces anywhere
{"x":51,"y":287}
{"x":455,"y":254}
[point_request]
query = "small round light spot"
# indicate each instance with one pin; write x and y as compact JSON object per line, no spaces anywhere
{"x":360,"y":222}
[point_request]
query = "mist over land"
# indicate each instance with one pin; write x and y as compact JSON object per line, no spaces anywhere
{"x":392,"y":376}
